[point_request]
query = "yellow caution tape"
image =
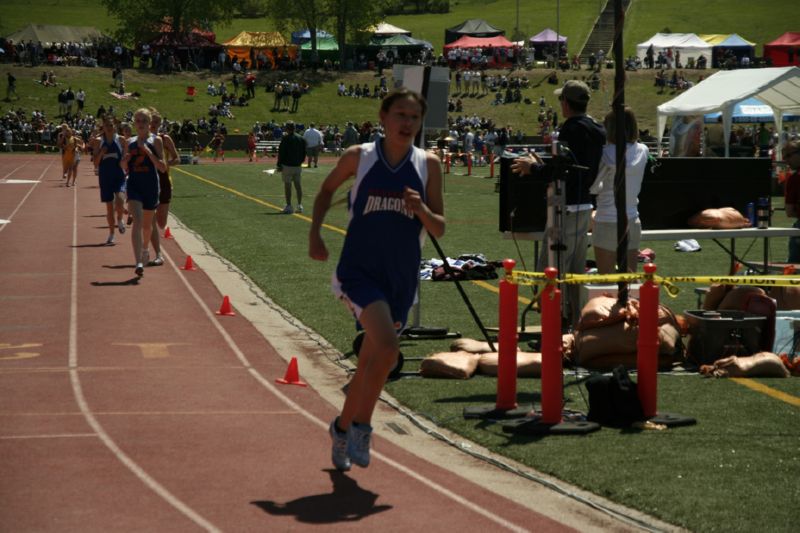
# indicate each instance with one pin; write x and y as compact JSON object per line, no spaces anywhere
{"x":668,"y":282}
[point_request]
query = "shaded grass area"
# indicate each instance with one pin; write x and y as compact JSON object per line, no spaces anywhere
{"x":736,"y":470}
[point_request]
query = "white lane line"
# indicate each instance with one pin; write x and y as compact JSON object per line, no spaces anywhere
{"x":52,"y":436}
{"x":267,"y":383}
{"x":24,"y":198}
{"x":74,"y":376}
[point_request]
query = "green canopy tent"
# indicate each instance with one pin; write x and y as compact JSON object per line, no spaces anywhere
{"x":327,"y":48}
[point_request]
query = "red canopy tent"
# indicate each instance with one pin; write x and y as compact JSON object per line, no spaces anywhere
{"x":785,"y":50}
{"x":480,"y":42}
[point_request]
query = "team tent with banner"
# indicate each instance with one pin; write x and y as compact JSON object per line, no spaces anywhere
{"x":471,"y":28}
{"x":545,"y":40}
{"x":689,"y":45}
{"x":751,"y":111}
{"x":248,"y":45}
{"x":785,"y":50}
{"x":722,"y":43}
{"x":779,"y":88}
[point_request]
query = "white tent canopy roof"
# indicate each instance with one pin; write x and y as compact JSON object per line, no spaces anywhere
{"x":688,"y":44}
{"x":779,"y":88}
{"x":384,"y":28}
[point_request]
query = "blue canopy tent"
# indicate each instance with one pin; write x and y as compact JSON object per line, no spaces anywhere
{"x":304,"y":35}
{"x":726,"y":45}
{"x":751,"y":110}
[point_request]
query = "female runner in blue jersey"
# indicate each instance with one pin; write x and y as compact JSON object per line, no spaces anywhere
{"x":395,"y":198}
{"x":108,"y":149}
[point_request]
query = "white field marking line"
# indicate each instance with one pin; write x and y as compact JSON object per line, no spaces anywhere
{"x":267,"y":383}
{"x":19,"y":167}
{"x":24,"y":198}
{"x":74,"y":376}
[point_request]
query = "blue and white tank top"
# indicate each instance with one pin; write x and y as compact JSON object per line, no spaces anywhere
{"x":383,"y":237}
{"x":109,"y":164}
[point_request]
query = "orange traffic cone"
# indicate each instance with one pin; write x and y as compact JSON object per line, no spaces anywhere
{"x":225,"y":308}
{"x":167,"y":233}
{"x":292,"y":376}
{"x":189,"y":264}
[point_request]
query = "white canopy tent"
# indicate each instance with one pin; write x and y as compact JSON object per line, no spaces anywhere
{"x":688,"y":44}
{"x":779,"y":88}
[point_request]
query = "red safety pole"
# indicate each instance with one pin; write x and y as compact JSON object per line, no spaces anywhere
{"x":491,"y":165}
{"x":469,"y":164}
{"x":647,"y":355}
{"x":447,"y":164}
{"x":552,"y":394}
{"x":507,"y":339}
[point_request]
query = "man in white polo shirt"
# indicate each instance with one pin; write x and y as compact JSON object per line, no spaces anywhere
{"x":313,"y":138}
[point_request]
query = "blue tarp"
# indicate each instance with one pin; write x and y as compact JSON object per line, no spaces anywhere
{"x":751,"y":110}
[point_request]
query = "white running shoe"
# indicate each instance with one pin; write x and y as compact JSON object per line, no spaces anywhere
{"x":139,"y":270}
{"x":121,"y":226}
{"x":339,"y":448}
{"x":158,"y":261}
{"x":358,"y":437}
{"x":110,"y":239}
{"x":299,"y":208}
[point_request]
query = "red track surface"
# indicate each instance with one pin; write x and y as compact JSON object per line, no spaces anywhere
{"x":131,"y":406}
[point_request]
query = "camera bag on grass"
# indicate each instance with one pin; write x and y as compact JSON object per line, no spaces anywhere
{"x":613,"y":399}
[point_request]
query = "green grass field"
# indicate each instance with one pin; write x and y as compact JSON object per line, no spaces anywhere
{"x":736,"y":470}
{"x":746,"y":445}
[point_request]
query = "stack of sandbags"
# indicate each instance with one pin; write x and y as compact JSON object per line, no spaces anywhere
{"x":469,"y":355}
{"x":607,"y":334}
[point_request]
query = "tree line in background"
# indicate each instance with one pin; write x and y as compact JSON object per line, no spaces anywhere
{"x":348,"y":18}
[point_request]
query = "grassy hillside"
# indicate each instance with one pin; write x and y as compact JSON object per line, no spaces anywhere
{"x":759,"y":22}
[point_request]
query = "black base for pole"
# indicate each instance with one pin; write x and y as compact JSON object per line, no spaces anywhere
{"x":672,"y":420}
{"x":533,"y":425}
{"x":422,"y":332}
{"x":491,"y":412}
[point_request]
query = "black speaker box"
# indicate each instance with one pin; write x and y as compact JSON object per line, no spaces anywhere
{"x":672,"y":191}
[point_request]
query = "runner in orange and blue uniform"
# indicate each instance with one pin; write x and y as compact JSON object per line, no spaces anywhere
{"x":143,"y":158}
{"x":165,"y":184}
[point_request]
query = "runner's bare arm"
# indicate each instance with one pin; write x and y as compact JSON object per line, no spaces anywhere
{"x":344,"y":169}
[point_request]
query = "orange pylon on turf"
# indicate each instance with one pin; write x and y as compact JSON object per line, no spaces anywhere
{"x":225,"y":308}
{"x":189,"y":264}
{"x":167,"y":233}
{"x":292,"y":376}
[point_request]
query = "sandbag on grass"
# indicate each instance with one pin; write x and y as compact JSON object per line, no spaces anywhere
{"x":758,"y":365}
{"x":453,"y":365}
{"x":529,"y":364}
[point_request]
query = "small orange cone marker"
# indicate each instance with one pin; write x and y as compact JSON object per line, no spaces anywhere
{"x":167,"y":233}
{"x":189,"y":264}
{"x":292,"y":376}
{"x":225,"y":308}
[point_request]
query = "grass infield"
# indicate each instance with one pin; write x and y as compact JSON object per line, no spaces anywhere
{"x":745,"y":447}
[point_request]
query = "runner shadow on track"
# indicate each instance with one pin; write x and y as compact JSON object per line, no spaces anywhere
{"x":132,"y":281}
{"x":98,"y":245}
{"x":347,"y":503}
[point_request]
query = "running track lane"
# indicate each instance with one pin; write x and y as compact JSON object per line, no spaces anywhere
{"x":133,"y":407}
